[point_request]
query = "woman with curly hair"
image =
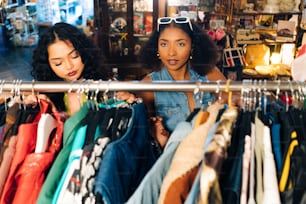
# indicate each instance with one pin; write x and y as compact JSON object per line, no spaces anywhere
{"x":65,"y":53}
{"x":177,"y":50}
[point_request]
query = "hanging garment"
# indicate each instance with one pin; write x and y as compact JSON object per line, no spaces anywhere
{"x":16,"y":115}
{"x":148,"y":191}
{"x":259,"y":133}
{"x":12,"y":114}
{"x":26,"y":142}
{"x":273,"y":110}
{"x":61,"y":194}
{"x":188,"y":156}
{"x":194,"y":192}
{"x":214,"y":155}
{"x":270,"y":183}
{"x":231,"y":175}
{"x":36,"y":165}
{"x":126,"y":161}
{"x":71,"y":125}
{"x":93,"y":152}
{"x":287,"y":127}
{"x":70,"y":192}
{"x":251,"y":199}
{"x":89,"y":165}
{"x":246,"y":158}
{"x":2,"y":128}
{"x":286,"y":182}
{"x":193,"y":176}
{"x":7,"y":160}
{"x":112,"y":122}
{"x":296,"y":187}
{"x":3,"y":112}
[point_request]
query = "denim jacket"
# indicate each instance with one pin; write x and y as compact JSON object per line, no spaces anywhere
{"x":173,"y":106}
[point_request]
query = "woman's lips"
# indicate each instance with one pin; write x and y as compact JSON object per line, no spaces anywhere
{"x":172,"y":62}
{"x":72,"y":73}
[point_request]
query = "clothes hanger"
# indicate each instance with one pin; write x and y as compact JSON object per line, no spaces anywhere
{"x":202,"y":115}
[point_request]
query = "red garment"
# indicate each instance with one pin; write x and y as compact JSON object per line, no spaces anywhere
{"x":26,"y":142}
{"x":34,"y":169}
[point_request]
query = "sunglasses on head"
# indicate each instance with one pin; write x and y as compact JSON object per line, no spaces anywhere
{"x":178,"y":20}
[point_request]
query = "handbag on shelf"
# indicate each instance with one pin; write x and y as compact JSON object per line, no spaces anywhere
{"x":233,"y":57}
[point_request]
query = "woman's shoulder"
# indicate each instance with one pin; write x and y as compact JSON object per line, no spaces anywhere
{"x":147,"y":77}
{"x":215,"y":74}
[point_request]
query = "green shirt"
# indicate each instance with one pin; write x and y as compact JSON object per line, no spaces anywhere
{"x":54,"y":176}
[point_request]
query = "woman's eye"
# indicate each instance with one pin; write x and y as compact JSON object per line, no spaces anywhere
{"x":75,"y":55}
{"x":181,"y":44}
{"x":163,"y":44}
{"x":57,"y":63}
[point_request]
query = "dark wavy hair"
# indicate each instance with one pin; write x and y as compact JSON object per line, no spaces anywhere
{"x":204,"y":50}
{"x":90,"y":54}
{"x":94,"y":62}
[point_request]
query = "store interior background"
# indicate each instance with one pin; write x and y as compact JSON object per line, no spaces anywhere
{"x":121,"y":27}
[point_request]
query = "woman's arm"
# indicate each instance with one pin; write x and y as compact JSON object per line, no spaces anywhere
{"x":148,"y":98}
{"x":156,"y":122}
{"x":215,"y":74}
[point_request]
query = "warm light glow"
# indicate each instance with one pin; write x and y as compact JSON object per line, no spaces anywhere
{"x":267,"y":58}
{"x":275,"y":58}
{"x":287,"y":53}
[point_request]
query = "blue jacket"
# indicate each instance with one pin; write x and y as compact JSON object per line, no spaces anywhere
{"x":126,"y":161}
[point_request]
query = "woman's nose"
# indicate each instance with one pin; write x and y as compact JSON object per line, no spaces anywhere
{"x":171,"y":51}
{"x":69,"y":64}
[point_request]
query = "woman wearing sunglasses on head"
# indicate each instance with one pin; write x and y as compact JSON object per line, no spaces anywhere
{"x":177,"y":50}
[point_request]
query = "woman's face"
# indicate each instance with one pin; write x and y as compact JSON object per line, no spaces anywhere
{"x":174,"y":48}
{"x":65,"y":61}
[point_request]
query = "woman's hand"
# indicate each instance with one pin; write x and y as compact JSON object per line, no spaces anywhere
{"x":158,"y":131}
{"x":34,"y":100}
{"x":127,"y":96}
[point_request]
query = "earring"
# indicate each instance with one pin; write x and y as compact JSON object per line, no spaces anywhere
{"x":190,"y":57}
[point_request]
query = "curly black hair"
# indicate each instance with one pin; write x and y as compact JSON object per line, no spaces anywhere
{"x":94,"y":62}
{"x":204,"y":50}
{"x":90,"y":54}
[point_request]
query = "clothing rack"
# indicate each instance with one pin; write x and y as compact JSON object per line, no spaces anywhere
{"x":79,"y":86}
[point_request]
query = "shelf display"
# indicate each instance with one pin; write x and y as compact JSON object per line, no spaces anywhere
{"x":48,"y":11}
{"x":274,"y":25}
{"x":21,"y":24}
{"x":129,"y":25}
{"x":183,"y":8}
{"x":70,"y":11}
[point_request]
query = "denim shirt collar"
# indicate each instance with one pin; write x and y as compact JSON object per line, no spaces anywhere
{"x":194,"y":76}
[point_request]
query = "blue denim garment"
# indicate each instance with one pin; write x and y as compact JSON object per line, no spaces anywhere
{"x":273,"y":109}
{"x":173,"y":106}
{"x":126,"y":161}
{"x":148,"y":190}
